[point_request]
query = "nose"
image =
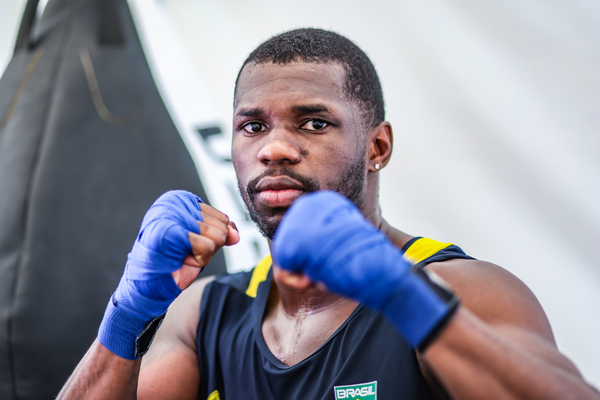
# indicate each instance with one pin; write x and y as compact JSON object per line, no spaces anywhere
{"x":279,"y":150}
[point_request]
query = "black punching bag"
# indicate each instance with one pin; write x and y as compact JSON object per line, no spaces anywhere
{"x":86,"y":146}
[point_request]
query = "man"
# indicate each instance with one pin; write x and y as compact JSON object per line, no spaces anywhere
{"x":340,"y":313}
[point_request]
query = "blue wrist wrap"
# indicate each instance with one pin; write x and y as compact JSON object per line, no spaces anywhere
{"x":147,"y":287}
{"x":325,"y":236}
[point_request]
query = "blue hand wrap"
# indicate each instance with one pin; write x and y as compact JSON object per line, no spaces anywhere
{"x":147,"y":287}
{"x":325,"y":236}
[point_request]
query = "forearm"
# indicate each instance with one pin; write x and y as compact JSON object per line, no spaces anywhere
{"x":162,"y":263}
{"x":474,"y":361}
{"x":101,"y":374}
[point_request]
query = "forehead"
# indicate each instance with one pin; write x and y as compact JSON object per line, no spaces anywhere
{"x":318,"y":81}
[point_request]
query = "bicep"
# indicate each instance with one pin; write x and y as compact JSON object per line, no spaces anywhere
{"x":170,"y":368}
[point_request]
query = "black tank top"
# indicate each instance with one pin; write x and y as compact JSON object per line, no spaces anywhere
{"x":366,"y":358}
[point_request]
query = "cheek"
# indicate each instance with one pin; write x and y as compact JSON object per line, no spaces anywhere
{"x":336,"y":159}
{"x":331,"y":169}
{"x":338,"y":162}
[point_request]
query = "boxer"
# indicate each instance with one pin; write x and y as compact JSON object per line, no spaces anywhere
{"x":347,"y":306}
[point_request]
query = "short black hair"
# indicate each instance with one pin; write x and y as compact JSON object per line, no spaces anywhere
{"x":320,"y":46}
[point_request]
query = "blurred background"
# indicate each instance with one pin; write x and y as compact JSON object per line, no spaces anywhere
{"x":496,"y":114}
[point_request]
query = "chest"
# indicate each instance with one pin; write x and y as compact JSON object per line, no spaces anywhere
{"x":365,"y":358}
{"x":292,"y":339}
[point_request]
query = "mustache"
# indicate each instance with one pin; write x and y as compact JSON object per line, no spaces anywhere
{"x":309,"y":185}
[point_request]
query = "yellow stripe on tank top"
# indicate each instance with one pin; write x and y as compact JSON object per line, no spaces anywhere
{"x":214,"y":396}
{"x":417,"y":252}
{"x":259,"y":275}
{"x":423,"y":248}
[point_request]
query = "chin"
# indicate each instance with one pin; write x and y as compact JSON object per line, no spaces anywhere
{"x":267,"y":225}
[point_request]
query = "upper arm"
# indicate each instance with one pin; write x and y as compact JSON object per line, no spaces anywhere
{"x":504,"y":303}
{"x":170,"y":368}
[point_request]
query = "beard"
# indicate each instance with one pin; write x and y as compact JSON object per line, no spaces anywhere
{"x":352,"y":185}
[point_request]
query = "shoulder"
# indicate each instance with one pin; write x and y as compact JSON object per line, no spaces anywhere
{"x":184,"y":314}
{"x":179,"y":326}
{"x":181,"y":322}
{"x":500,"y":300}
{"x":489,"y":291}
{"x":494,"y":295}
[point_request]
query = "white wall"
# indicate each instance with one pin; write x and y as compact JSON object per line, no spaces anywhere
{"x":496,"y":112}
{"x":10,"y":20}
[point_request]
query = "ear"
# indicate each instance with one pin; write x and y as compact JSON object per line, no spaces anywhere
{"x":292,"y":280}
{"x":379,"y":146}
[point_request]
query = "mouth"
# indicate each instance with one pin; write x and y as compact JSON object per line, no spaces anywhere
{"x":278,"y":191}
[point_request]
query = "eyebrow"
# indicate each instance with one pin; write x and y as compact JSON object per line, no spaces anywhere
{"x":304,"y":109}
{"x":249,"y":112}
{"x":308,"y":109}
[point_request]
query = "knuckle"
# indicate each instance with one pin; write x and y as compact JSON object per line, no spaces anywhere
{"x":222,"y":238}
{"x":211,"y":212}
{"x":226,"y":219}
{"x":211,"y":247}
{"x":203,"y":227}
{"x":207,"y":218}
{"x":217,"y":235}
{"x":215,"y":222}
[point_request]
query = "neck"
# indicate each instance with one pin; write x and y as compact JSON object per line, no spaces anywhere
{"x":370,"y":207}
{"x":372,"y":212}
{"x":295,"y":295}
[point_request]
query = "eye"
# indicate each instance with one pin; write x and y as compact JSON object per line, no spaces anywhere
{"x":254,"y":127}
{"x":315,"y":125}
